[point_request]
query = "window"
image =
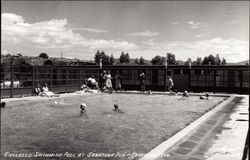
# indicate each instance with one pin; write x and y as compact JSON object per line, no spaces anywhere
{"x":197,"y":72}
{"x":169,"y":73}
{"x":185,"y":71}
{"x":177,"y":71}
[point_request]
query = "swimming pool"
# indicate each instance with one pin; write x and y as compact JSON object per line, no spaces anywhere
{"x":57,"y":126}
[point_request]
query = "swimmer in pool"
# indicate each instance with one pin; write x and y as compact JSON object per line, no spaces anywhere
{"x":185,"y":94}
{"x":204,"y":97}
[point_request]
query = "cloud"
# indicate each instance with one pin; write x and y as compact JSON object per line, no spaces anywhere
{"x":194,"y":25}
{"x":201,"y":35}
{"x":144,"y":34}
{"x":232,"y":49}
{"x":90,"y":30}
{"x":54,"y":33}
{"x":174,"y":23}
{"x":4,"y":52}
{"x":95,"y":44}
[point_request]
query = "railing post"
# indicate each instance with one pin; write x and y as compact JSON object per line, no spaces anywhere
{"x":51,"y":77}
{"x":11,"y":78}
{"x":100,"y":72}
{"x":66,"y":83}
{"x":33,"y":79}
{"x":165,"y":78}
{"x":214,"y":81}
{"x":165,"y":74}
{"x":78,"y":78}
{"x":241,"y":77}
{"x":189,"y":75}
{"x":189,"y":80}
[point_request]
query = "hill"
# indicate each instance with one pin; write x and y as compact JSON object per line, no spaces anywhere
{"x":246,"y":62}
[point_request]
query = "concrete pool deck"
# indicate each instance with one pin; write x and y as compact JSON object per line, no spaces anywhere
{"x":26,"y":98}
{"x":221,"y":135}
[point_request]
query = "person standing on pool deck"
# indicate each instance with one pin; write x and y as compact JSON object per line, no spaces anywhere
{"x":118,"y":78}
{"x":108,"y":83}
{"x":103,"y":80}
{"x":171,"y":84}
{"x":142,"y":82}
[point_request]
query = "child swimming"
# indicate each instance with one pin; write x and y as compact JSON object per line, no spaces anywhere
{"x":185,"y":94}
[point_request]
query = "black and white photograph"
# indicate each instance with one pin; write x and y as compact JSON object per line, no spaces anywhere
{"x":124,"y":80}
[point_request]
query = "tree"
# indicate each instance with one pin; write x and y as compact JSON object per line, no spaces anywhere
{"x":210,"y":60}
{"x":158,"y":60}
{"x":127,"y":58}
{"x":61,"y":63}
{"x":8,"y":55}
{"x":105,"y":58}
{"x":97,"y":57}
{"x":198,"y":61}
{"x":205,"y":61}
{"x":20,"y":61}
{"x":19,"y":55}
{"x":217,"y":59}
{"x":189,"y":60}
{"x":48,"y":62}
{"x":43,"y":55}
{"x":112,"y":59}
{"x":101,"y":55}
{"x":122,"y":58}
{"x":142,"y":61}
{"x":171,"y":59}
{"x":223,"y":62}
{"x":136,"y":61}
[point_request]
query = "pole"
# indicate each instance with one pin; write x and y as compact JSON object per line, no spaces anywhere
{"x":66,"y":83}
{"x":214,"y":81}
{"x":11,"y":77}
{"x":165,"y":77}
{"x":33,"y":79}
{"x":51,"y":77}
{"x":100,"y":72}
{"x":165,"y":73}
{"x":189,"y":78}
{"x":77,"y":73}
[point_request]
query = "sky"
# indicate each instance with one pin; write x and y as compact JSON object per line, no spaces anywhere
{"x":188,"y":29}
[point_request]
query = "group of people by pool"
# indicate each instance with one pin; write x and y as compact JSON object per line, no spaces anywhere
{"x":106,"y":85}
{"x":106,"y":81}
{"x":44,"y":91}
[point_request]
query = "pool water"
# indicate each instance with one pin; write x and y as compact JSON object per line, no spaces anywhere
{"x":56,"y":125}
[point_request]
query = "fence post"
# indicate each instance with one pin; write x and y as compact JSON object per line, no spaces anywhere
{"x":189,"y":80}
{"x":165,"y":78}
{"x":78,"y":78}
{"x":189,"y":75}
{"x":165,"y":74}
{"x":33,"y":79}
{"x":51,"y":77}
{"x":66,"y":83}
{"x":11,"y":78}
{"x":214,"y":80}
{"x":241,"y":77}
{"x":100,"y":74}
